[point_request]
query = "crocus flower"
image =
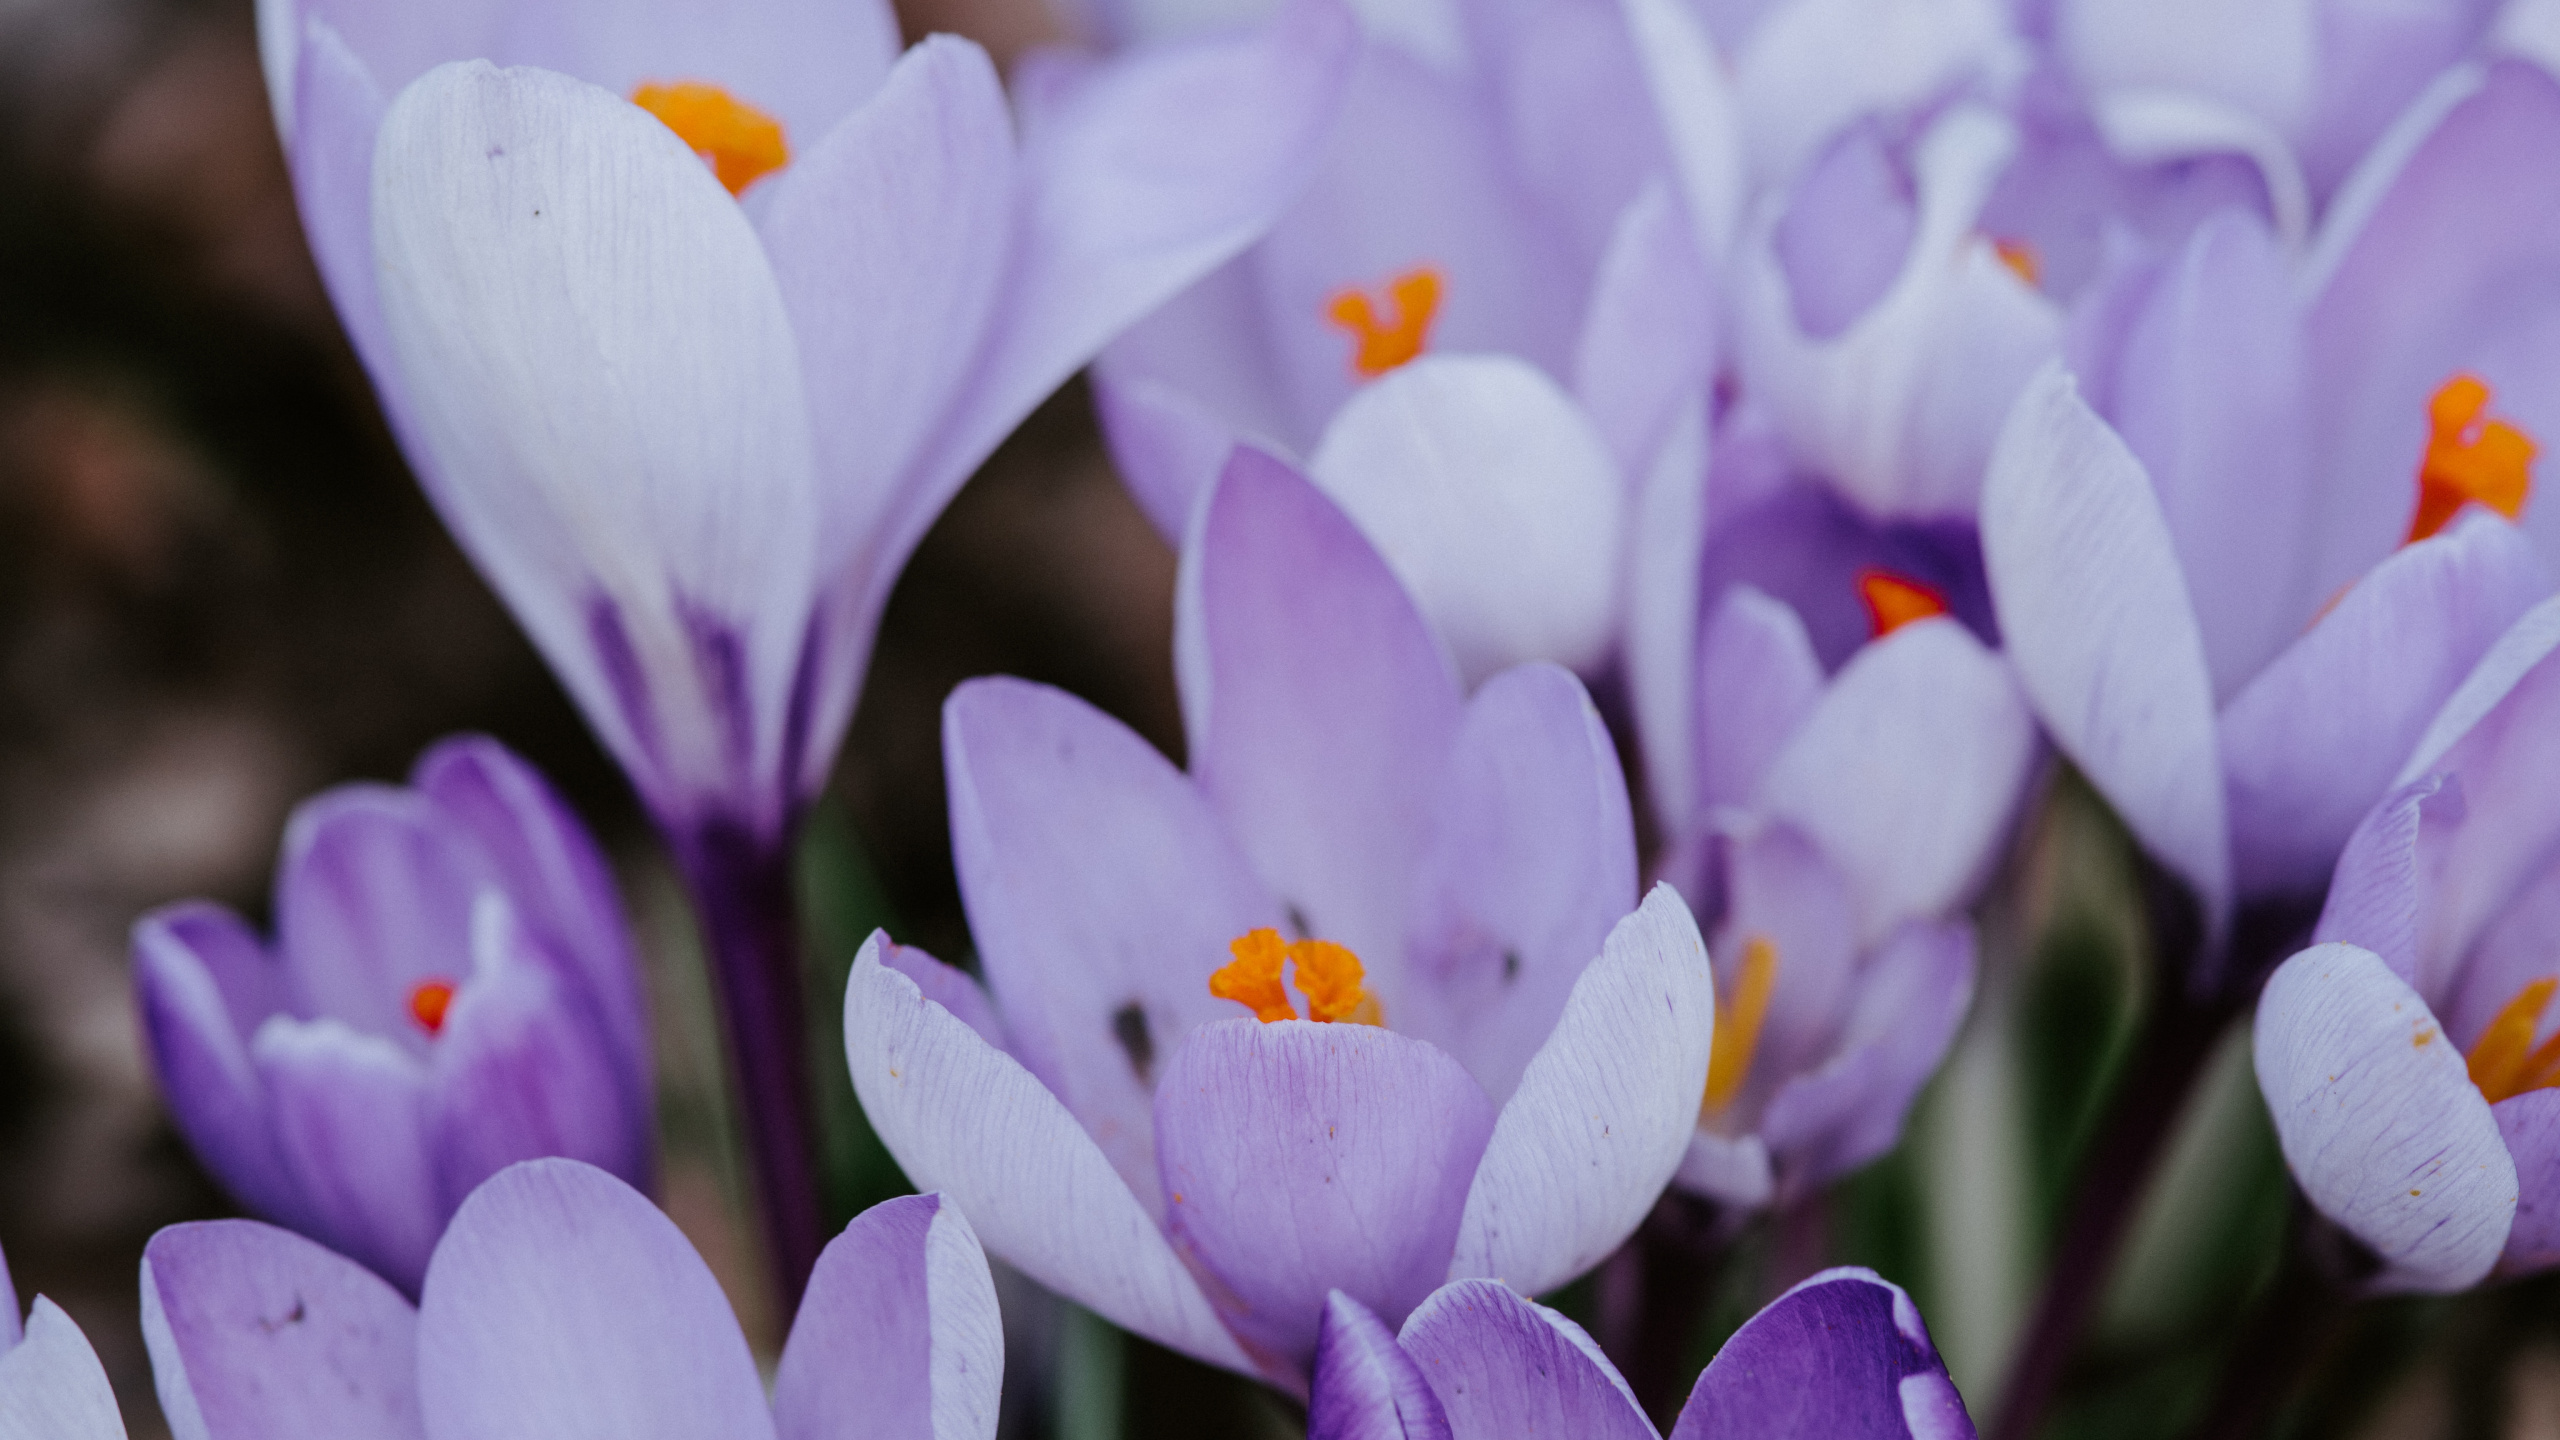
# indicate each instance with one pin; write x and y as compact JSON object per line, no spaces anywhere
{"x":1842,"y":1356}
{"x":2407,"y":1058}
{"x":1838,"y":827}
{"x":451,"y":989}
{"x":51,"y":1384}
{"x":1141,"y":1119}
{"x":563,"y":1305}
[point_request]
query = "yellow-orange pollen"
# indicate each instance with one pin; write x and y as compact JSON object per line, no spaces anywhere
{"x":1894,"y":601}
{"x":743,"y":143}
{"x":2021,"y":259}
{"x":1413,"y":301}
{"x":1327,"y":974}
{"x":2469,"y":459}
{"x":2504,"y":1060}
{"x":428,"y":1000}
{"x":1738,"y":1019}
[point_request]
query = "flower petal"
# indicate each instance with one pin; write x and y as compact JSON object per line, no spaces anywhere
{"x":563,"y":1305}
{"x":1167,"y":445}
{"x":350,"y":1125}
{"x":373,"y":895}
{"x":1758,"y":681}
{"x":1366,"y":1387}
{"x":1504,"y":1366}
{"x":1843,"y":1354}
{"x":964,"y":1118}
{"x":52,"y":1386}
{"x":2100,"y":630}
{"x":1301,"y":1158}
{"x":1701,"y":121}
{"x":898,"y":1336}
{"x":1603,"y":1113}
{"x":2530,"y":1125}
{"x":259,"y":1334}
{"x":1665,"y":565}
{"x":1910,"y":998}
{"x":2380,"y":1121}
{"x":183,"y":956}
{"x":1648,"y":342}
{"x":948,"y":986}
{"x":1732,"y":1171}
{"x":2378,"y":895}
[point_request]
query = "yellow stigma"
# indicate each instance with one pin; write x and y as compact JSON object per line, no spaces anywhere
{"x":743,"y":143}
{"x":2469,"y":459}
{"x":1894,"y":601}
{"x":1382,"y":345}
{"x":1327,"y":974}
{"x":1738,"y":1020}
{"x":2021,"y":259}
{"x":2504,"y":1062}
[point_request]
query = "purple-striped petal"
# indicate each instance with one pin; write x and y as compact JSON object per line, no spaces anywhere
{"x":350,"y":1117}
{"x":898,"y":1336}
{"x":1504,"y":1366}
{"x":948,"y":986}
{"x":2530,"y":1125}
{"x":2378,"y":895}
{"x":964,"y":1118}
{"x":563,"y":1305}
{"x":1366,"y":1387}
{"x":2379,"y":1119}
{"x":1603,"y":1113}
{"x":52,"y":1386}
{"x":1842,"y":1355}
{"x":258,"y":1334}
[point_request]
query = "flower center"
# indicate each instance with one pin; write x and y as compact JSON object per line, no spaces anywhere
{"x":743,"y":143}
{"x":2469,"y":459}
{"x":1327,"y":974}
{"x":1413,"y":299}
{"x":2021,"y":259}
{"x":1738,"y":1019}
{"x":1894,"y":601}
{"x":2504,"y":1060}
{"x":428,"y":1000}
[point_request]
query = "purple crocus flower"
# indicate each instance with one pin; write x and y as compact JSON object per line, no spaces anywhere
{"x":51,"y":1384}
{"x":451,"y":989}
{"x":1447,"y":869}
{"x":562,"y":1305}
{"x":1843,"y":1356}
{"x":2407,"y":1057}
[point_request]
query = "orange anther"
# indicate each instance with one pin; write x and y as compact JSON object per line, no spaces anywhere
{"x":428,"y":1001}
{"x":1330,"y":977}
{"x":1252,"y":979}
{"x":1894,"y":601}
{"x":1738,"y":1021}
{"x":2504,"y":1060}
{"x":1328,"y":974}
{"x":743,"y":143}
{"x":2469,"y":459}
{"x":2021,"y":259}
{"x":1385,"y":344}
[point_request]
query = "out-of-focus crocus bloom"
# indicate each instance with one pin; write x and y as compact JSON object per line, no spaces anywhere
{"x":1843,"y":1356}
{"x":1837,"y":828}
{"x":2409,"y":1057}
{"x":1141,"y":1119}
{"x":562,"y":1305}
{"x":451,"y":990}
{"x":1479,"y":329}
{"x":51,"y":1384}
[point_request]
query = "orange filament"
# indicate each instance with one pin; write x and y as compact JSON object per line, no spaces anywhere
{"x":743,"y":143}
{"x":2021,"y":259}
{"x":1327,"y":974}
{"x":2469,"y":459}
{"x":2504,"y":1060}
{"x":1385,"y":344}
{"x":428,"y":1001}
{"x":1738,"y":1022}
{"x":1894,"y":601}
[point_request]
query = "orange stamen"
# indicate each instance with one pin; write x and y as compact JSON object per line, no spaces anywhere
{"x":1252,"y":979}
{"x":1329,"y":975}
{"x":2021,"y":259}
{"x":2469,"y":459}
{"x":428,"y":1002}
{"x":1738,"y":1021}
{"x":1894,"y":601}
{"x":1385,"y":344}
{"x":2504,"y":1062}
{"x":743,"y":143}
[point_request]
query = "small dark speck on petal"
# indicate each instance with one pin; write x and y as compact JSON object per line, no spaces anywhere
{"x":1510,"y":965}
{"x":1129,"y":1027}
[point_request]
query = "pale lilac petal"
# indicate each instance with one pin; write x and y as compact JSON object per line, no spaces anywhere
{"x":1848,"y":223}
{"x":1318,"y":705}
{"x":350,"y":1119}
{"x":12,"y":1329}
{"x":1493,"y":499}
{"x":948,"y":986}
{"x":1504,"y":1366}
{"x":2310,"y":743}
{"x":1167,"y":446}
{"x":2376,"y":57}
{"x":1701,"y":122}
{"x":2378,"y":894}
{"x":1730,"y":1170}
{"x":1531,"y":862}
{"x":964,"y":1118}
{"x":1807,"y":547}
{"x":52,"y":1386}
{"x":1603,"y":1113}
{"x":337,"y":106}
{"x":1911,"y":997}
{"x":373,"y":895}
{"x":2513,"y":953}
{"x":2530,"y":1125}
{"x":2164,"y":128}
{"x":1780,"y":888}
{"x":1907,"y":771}
{"x":258,"y":1334}
{"x":2100,"y":631}
{"x":2379,"y":1120}
{"x":1842,"y":1355}
{"x":1758,"y":681}
{"x":598,"y":358}
{"x":898,"y":1337}
{"x":563,"y":1305}
{"x":2262,"y":58}
{"x":1102,"y":895}
{"x":1366,"y":1386}
{"x":1665,"y":573}
{"x":805,"y":62}
{"x":200,"y":1050}
{"x":1207,"y":346}
{"x":1301,"y":1158}
{"x":1812,"y":67}
{"x":1648,"y":341}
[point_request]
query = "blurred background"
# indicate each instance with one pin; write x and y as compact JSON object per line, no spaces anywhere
{"x":220,"y":591}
